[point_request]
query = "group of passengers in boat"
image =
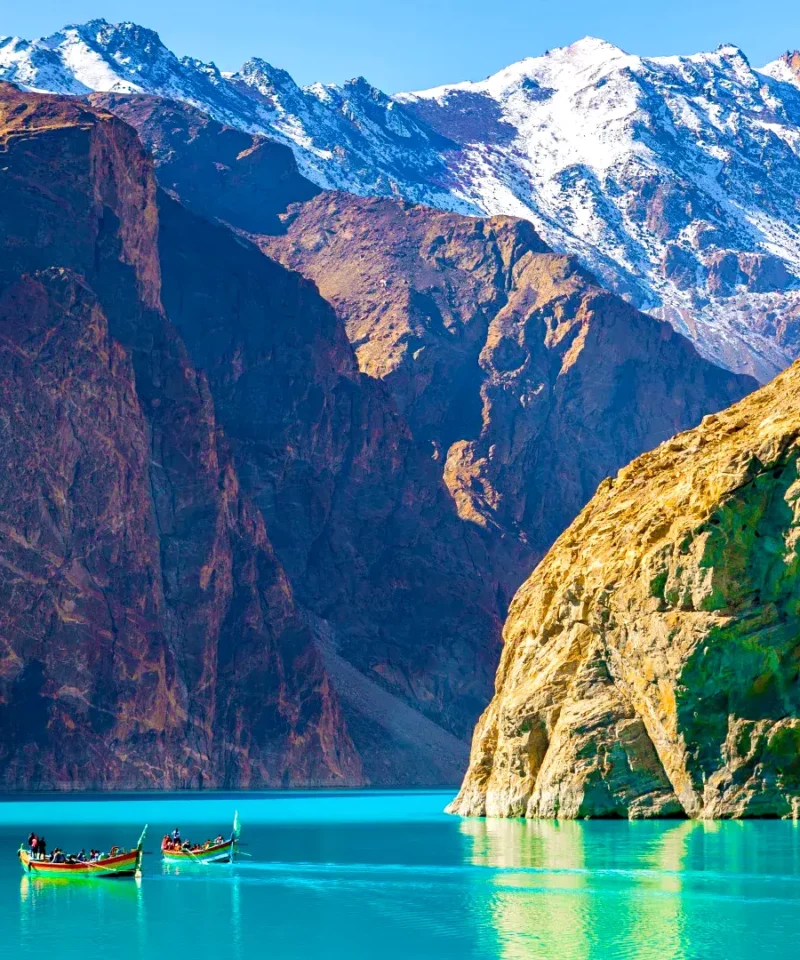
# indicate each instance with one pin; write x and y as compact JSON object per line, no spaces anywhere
{"x":37,"y":847}
{"x":172,"y":841}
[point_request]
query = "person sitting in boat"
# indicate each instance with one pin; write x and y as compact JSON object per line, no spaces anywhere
{"x":114,"y":852}
{"x":81,"y":858}
{"x":219,"y":839}
{"x":58,"y":856}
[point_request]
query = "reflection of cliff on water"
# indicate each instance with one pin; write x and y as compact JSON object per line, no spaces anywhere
{"x":579,"y":890}
{"x":656,"y":908}
{"x":536,"y":895}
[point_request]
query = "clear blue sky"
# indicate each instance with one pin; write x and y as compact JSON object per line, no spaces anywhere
{"x":411,"y":44}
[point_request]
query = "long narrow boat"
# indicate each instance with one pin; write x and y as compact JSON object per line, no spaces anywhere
{"x":224,"y":852}
{"x":127,"y":864}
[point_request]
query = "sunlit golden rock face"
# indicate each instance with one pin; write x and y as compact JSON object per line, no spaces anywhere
{"x":651,"y":660}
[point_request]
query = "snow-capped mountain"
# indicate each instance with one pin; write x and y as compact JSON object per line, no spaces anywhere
{"x":350,"y":137}
{"x":674,"y":179}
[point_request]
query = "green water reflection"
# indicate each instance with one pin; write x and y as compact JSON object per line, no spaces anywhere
{"x":636,"y":890}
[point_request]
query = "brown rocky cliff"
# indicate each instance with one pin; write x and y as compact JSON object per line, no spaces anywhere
{"x":78,"y":188}
{"x":359,"y":517}
{"x":131,"y":565}
{"x":150,"y":634}
{"x":526,"y":380}
{"x":650,"y":665}
{"x":358,"y":512}
{"x":275,"y":470}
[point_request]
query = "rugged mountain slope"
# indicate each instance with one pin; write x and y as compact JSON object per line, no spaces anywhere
{"x":523,"y":378}
{"x":195,"y":448}
{"x":651,"y":661}
{"x":359,"y":517}
{"x":494,"y":349}
{"x":672,"y":179}
{"x":150,"y":637}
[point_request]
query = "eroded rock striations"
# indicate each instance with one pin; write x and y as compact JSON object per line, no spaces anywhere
{"x":651,"y":661}
{"x":150,"y":637}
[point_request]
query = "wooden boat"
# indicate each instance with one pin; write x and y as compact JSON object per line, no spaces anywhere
{"x":224,"y":852}
{"x":124,"y":864}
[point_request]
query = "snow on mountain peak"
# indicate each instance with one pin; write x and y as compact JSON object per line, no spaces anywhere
{"x":785,"y":68}
{"x":262,"y":75}
{"x":675,"y":179}
{"x":589,"y":49}
{"x":731,"y":50}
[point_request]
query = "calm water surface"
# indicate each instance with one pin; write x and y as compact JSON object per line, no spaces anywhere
{"x":387,"y":875}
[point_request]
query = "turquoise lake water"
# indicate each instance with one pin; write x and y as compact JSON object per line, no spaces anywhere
{"x":386,"y":875}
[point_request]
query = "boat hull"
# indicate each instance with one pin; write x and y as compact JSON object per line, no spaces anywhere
{"x":124,"y":865}
{"x":218,"y":853}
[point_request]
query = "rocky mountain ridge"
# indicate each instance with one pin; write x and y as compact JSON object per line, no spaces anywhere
{"x":524,"y":379}
{"x":494,"y":349}
{"x":673,"y":179}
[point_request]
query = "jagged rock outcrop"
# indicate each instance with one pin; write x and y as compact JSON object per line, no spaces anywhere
{"x":197,"y":483}
{"x":525,"y":379}
{"x":651,"y":660}
{"x":787,"y":65}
